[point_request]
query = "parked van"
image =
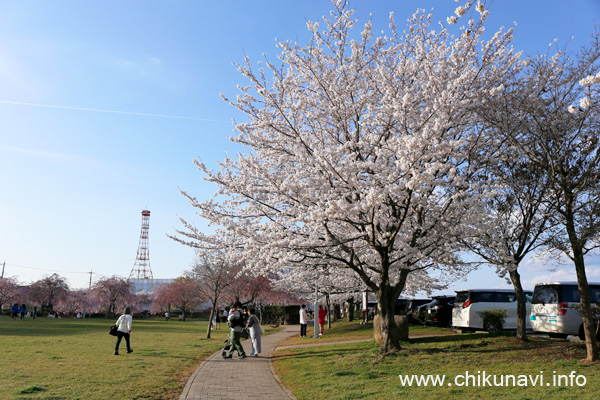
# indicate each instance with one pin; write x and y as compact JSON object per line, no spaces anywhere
{"x":468,"y":304}
{"x":554,"y":308}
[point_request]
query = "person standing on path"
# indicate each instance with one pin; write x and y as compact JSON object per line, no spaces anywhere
{"x":236,"y":323}
{"x":124,"y":330}
{"x":255,"y":331}
{"x":303,"y":320}
{"x":322,"y":314}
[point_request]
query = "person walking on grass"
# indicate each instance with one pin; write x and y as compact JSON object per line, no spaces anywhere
{"x":255,"y":331}
{"x":236,"y":324}
{"x":303,"y":320}
{"x":322,"y":314}
{"x":15,"y":311}
{"x":124,"y":330}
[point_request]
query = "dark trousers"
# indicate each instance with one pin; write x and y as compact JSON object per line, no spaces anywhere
{"x":121,"y":335}
{"x":236,"y":344}
{"x":303,"y":329}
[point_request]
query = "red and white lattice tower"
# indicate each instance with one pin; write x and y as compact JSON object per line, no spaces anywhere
{"x":141,"y":268}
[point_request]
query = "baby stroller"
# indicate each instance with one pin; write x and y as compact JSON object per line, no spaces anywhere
{"x":226,"y":348}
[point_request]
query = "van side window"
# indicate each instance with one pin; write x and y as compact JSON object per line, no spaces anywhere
{"x":505,"y":297}
{"x":545,"y":294}
{"x":528,"y":297}
{"x":570,"y":293}
{"x":595,"y":294}
{"x":481,"y":297}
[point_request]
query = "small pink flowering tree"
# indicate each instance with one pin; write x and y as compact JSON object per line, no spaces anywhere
{"x":114,"y":292}
{"x":184,"y":293}
{"x":8,"y":291}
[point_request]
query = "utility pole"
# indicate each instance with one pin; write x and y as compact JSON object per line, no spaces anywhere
{"x":316,"y":312}
{"x":84,"y":293}
{"x":3,"y":264}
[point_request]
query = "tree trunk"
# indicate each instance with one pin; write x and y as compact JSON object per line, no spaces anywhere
{"x":328,"y":311}
{"x":521,"y":306}
{"x":389,"y":331}
{"x":336,"y":311}
{"x":350,"y":310}
{"x":591,"y":343}
{"x":210,"y":319}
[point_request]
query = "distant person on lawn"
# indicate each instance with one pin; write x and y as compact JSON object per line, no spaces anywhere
{"x":303,"y":320}
{"x":235,"y":321}
{"x":15,"y":311}
{"x":322,"y":315}
{"x":124,"y":330}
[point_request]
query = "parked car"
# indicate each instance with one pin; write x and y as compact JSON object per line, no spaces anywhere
{"x":439,"y":311}
{"x":554,"y":308}
{"x":411,"y":309}
{"x":469,"y":303}
{"x":400,"y":308}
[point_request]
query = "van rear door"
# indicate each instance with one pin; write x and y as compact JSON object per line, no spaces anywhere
{"x":544,"y":307}
{"x":460,"y":313}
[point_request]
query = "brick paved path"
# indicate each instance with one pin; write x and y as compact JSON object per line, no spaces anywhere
{"x":252,"y":378}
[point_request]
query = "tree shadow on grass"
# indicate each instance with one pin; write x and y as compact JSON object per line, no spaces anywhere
{"x":465,"y":343}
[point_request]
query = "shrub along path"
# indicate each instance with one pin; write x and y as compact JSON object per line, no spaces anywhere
{"x":251,"y":378}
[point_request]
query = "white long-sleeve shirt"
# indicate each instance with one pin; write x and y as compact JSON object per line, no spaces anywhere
{"x":303,"y":316}
{"x":124,"y":323}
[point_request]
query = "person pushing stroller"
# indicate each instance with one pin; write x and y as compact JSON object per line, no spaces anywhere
{"x":236,"y":323}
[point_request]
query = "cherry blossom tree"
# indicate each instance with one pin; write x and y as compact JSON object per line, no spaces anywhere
{"x":550,"y":112}
{"x":183,"y":293}
{"x":248,"y":288}
{"x":114,"y":291}
{"x":8,"y":291}
{"x":360,"y":152}
{"x":48,"y":290}
{"x":73,"y":302}
{"x":518,"y":220}
{"x":215,"y":274}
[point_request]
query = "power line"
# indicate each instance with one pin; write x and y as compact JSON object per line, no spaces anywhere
{"x":51,"y":270}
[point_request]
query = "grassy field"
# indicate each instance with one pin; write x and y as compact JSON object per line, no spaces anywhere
{"x":73,"y":359}
{"x":343,"y":330}
{"x":356,"y":371}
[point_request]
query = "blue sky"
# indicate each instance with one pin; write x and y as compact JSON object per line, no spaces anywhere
{"x":75,"y":178}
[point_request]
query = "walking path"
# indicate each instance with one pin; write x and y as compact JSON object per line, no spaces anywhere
{"x":252,"y":378}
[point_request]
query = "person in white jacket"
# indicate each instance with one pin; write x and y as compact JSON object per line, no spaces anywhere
{"x":303,"y":320}
{"x":123,"y":330}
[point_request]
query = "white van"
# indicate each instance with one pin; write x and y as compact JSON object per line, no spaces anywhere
{"x":554,"y":308}
{"x":468,"y":304}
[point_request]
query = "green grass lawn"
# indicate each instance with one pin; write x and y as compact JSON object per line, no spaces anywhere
{"x":344,"y":330}
{"x":73,"y":358}
{"x":356,"y":371}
